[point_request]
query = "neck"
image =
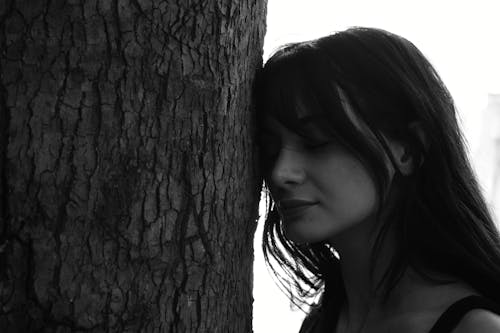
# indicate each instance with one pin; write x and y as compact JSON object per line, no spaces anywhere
{"x":355,"y":248}
{"x":360,"y":274}
{"x":364,"y":305}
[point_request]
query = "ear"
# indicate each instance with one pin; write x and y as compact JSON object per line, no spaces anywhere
{"x":417,"y":130}
{"x":404,"y":154}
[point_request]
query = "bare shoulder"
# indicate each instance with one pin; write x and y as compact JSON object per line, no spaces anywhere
{"x":479,"y":320}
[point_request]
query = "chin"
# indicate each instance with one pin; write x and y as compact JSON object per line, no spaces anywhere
{"x":303,"y":237}
{"x":300,"y":233}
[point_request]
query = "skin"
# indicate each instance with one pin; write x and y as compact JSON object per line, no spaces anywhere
{"x":344,"y":215}
{"x":328,"y":175}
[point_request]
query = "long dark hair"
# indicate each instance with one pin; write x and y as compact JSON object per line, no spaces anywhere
{"x":441,"y":221}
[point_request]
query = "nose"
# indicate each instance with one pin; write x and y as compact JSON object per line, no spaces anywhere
{"x":288,"y":169}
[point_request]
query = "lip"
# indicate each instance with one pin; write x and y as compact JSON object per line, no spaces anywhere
{"x":288,"y":204}
{"x":292,"y":209}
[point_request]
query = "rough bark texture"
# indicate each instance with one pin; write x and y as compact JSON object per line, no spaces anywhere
{"x":128,"y":189}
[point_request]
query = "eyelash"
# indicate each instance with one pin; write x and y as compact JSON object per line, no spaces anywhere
{"x":272,"y":150}
{"x":271,"y":145}
{"x":316,"y":145}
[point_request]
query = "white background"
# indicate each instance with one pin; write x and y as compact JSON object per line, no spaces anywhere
{"x":460,"y":38}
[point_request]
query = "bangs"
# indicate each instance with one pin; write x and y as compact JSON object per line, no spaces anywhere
{"x":302,"y":90}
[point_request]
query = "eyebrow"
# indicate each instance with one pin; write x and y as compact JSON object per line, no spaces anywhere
{"x":304,"y":121}
{"x":307,"y":119}
{"x":267,"y":133}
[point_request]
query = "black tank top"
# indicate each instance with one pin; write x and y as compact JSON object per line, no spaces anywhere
{"x":455,"y":312}
{"x":445,"y":323}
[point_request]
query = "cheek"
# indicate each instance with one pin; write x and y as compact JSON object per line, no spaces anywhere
{"x":348,"y":190}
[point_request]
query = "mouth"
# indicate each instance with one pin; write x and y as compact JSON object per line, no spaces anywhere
{"x":294,"y":208}
{"x":295,"y":203}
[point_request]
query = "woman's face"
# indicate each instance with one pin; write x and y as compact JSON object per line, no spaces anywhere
{"x":320,"y":190}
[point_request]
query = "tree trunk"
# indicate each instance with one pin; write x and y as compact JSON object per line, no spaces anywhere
{"x":128,"y":185}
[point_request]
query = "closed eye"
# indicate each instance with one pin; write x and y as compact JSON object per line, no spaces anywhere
{"x":317,"y":145}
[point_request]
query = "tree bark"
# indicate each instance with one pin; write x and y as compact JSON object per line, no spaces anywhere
{"x":128,"y":181}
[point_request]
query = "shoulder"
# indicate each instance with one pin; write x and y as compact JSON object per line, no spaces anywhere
{"x":479,"y":320}
{"x":320,"y":317}
{"x":311,"y":320}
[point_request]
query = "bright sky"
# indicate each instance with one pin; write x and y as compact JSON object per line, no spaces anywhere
{"x":460,"y":38}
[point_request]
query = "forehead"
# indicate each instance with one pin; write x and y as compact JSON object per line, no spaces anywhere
{"x":272,"y":129}
{"x":308,"y":130}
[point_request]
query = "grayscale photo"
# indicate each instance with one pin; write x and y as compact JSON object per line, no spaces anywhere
{"x":258,"y":166}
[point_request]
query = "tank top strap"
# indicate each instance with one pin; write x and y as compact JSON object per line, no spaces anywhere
{"x":455,"y":312}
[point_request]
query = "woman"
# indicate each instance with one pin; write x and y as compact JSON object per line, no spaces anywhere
{"x":374,"y":206}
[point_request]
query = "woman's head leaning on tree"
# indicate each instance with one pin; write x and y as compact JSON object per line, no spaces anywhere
{"x":360,"y":147}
